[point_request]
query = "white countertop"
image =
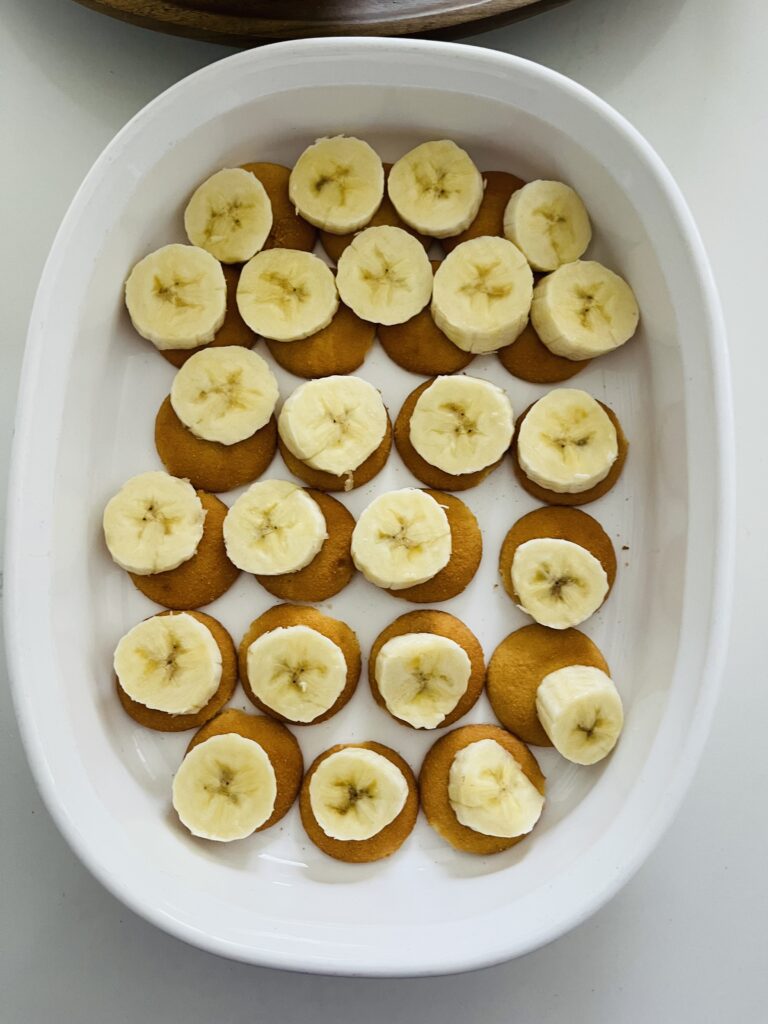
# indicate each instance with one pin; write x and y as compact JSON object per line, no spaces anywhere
{"x":687,"y":939}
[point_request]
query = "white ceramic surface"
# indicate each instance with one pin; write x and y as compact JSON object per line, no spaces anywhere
{"x":274,"y":899}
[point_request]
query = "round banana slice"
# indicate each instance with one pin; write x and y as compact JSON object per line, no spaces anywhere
{"x":482,"y":294}
{"x":558,"y":583}
{"x":401,"y":539}
{"x":337,"y":184}
{"x":177,"y":297}
{"x":153,"y":523}
{"x":549,"y":223}
{"x":384,"y":275}
{"x":462,"y":424}
{"x":286,"y":294}
{"x":436,"y":188}
{"x":274,"y":528}
{"x":229,"y":215}
{"x":422,"y":677}
{"x":581,"y":712}
{"x":583,"y":310}
{"x":355,"y":793}
{"x":567,"y":442}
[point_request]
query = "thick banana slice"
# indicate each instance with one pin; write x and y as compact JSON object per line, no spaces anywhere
{"x":549,"y":223}
{"x":224,"y":394}
{"x":337,"y":184}
{"x":296,"y":671}
{"x":584,"y":310}
{"x":490,"y":793}
{"x":153,"y":523}
{"x":567,"y":442}
{"x":225,"y":788}
{"x":401,"y":539}
{"x":355,"y":793}
{"x":422,"y":677}
{"x":286,"y":294}
{"x":169,"y":663}
{"x":581,"y":712}
{"x":275,"y":527}
{"x":558,"y":583}
{"x":462,"y":424}
{"x":436,"y":188}
{"x":482,"y":294}
{"x":229,"y":215}
{"x":384,"y":275}
{"x":177,"y":297}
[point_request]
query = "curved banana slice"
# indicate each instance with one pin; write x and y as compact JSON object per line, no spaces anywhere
{"x":296,"y":671}
{"x":559,"y":583}
{"x":337,"y":184}
{"x":567,"y":442}
{"x":225,"y":788}
{"x":275,"y":527}
{"x":177,"y":297}
{"x":549,"y":223}
{"x":581,"y":712}
{"x":422,"y":677}
{"x":286,"y":294}
{"x":153,"y":523}
{"x":436,"y":188}
{"x":229,"y":215}
{"x":334,"y":423}
{"x":355,"y":793}
{"x":482,"y":294}
{"x":584,"y":310}
{"x":490,"y":793}
{"x":401,"y":539}
{"x":224,"y":394}
{"x":462,"y":424}
{"x":384,"y":275}
{"x":170,"y":663}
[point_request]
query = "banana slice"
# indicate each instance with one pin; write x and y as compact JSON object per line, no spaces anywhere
{"x":355,"y":793}
{"x":581,"y":712}
{"x":567,"y":442}
{"x":334,"y":423}
{"x":549,"y":223}
{"x":229,"y":215}
{"x":177,"y":297}
{"x":275,"y":527}
{"x":153,"y":523}
{"x":422,"y":677}
{"x":384,"y":275}
{"x":558,"y":583}
{"x":224,"y":394}
{"x":436,"y":188}
{"x":490,"y":793}
{"x":169,"y":663}
{"x":584,"y":310}
{"x":401,"y":539}
{"x":337,"y":184}
{"x":225,"y":788}
{"x":296,"y":671}
{"x":286,"y":294}
{"x":482,"y":294}
{"x":462,"y":424}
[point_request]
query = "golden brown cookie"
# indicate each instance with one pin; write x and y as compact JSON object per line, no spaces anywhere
{"x":161,"y":721}
{"x":201,"y":579}
{"x":499,"y":186}
{"x":584,"y":497}
{"x":441,"y":624}
{"x":284,"y":615}
{"x":365,"y":472}
{"x":289,"y":230}
{"x":278,"y":744}
{"x":466,"y":552}
{"x":528,"y":358}
{"x":339,"y":348}
{"x":519,"y":664}
{"x":433,"y":786}
{"x":332,"y":567}
{"x":384,"y":843}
